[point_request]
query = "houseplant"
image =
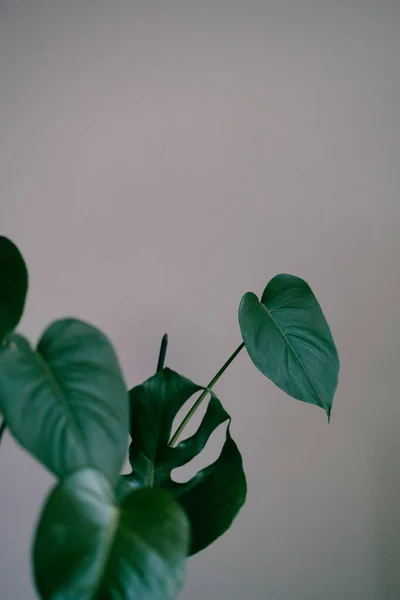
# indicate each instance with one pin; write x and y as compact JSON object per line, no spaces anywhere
{"x":106,"y":536}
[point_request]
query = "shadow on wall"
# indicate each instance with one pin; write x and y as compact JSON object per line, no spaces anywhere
{"x":386,"y":500}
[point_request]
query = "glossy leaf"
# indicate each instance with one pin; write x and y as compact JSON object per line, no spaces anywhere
{"x":220,"y":489}
{"x":66,"y":403}
{"x":153,"y":406}
{"x":13,"y":286}
{"x":88,"y":548}
{"x":213,"y":497}
{"x":289,"y":340}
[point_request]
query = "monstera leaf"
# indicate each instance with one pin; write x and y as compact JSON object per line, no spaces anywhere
{"x":88,"y":548}
{"x":289,"y":340}
{"x":214,"y":496}
{"x":66,"y":403}
{"x":13,"y":286}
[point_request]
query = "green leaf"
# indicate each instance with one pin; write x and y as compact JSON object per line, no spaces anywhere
{"x":289,"y":340}
{"x":153,"y":406}
{"x":66,"y":403}
{"x":214,"y":496}
{"x":13,"y":286}
{"x":88,"y":548}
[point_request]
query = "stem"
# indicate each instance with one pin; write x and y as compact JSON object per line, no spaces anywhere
{"x":163,"y":351}
{"x":3,"y":427}
{"x":200,"y":399}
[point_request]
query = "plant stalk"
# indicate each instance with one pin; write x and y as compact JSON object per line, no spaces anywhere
{"x":3,"y":427}
{"x":163,"y":351}
{"x":200,"y":399}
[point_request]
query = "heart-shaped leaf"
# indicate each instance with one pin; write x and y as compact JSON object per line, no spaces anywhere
{"x":88,"y":548}
{"x":215,"y":495}
{"x":13,"y":286}
{"x":66,"y":403}
{"x":289,"y":340}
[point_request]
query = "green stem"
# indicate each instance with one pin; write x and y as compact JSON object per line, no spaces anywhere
{"x":3,"y":427}
{"x":163,"y":351}
{"x":200,"y":399}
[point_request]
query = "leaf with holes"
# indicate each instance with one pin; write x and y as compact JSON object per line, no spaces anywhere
{"x":66,"y":403}
{"x":13,"y":286}
{"x":214,"y":496}
{"x":89,"y":548}
{"x":289,"y":340}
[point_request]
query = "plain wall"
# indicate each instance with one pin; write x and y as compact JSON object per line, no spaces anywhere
{"x":158,"y":160}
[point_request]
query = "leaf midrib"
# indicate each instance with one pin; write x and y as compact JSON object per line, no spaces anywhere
{"x":112,"y":531}
{"x":291,"y":348}
{"x":68,"y":413}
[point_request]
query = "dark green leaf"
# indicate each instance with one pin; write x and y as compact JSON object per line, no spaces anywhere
{"x":214,"y":496}
{"x":289,"y":340}
{"x":88,"y":548}
{"x":153,"y":406}
{"x":220,"y":489}
{"x":66,"y":403}
{"x":13,"y":286}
